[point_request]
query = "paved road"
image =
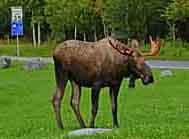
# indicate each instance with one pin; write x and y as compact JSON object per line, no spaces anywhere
{"x":159,"y":64}
{"x":164,"y":64}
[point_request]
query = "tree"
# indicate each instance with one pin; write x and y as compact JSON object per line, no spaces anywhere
{"x":71,"y":19}
{"x":87,"y":19}
{"x":70,"y":15}
{"x":115,"y":15}
{"x":176,"y":11}
{"x":4,"y":13}
{"x":131,"y":17}
{"x":56,"y":18}
{"x":72,"y":10}
{"x":99,"y":6}
{"x":35,"y":7}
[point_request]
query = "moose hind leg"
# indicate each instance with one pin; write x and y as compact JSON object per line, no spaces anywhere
{"x":61,"y":81}
{"x":56,"y":101}
{"x":75,"y":102}
{"x":94,"y":101}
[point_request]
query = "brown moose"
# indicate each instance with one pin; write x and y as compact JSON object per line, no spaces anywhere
{"x":95,"y":65}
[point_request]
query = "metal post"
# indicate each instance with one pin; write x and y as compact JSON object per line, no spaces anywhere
{"x":17,"y":25}
{"x":17,"y":46}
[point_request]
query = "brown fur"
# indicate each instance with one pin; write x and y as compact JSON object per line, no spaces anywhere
{"x":94,"y":64}
{"x":88,"y":63}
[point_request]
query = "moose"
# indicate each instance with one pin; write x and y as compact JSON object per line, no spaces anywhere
{"x":155,"y":46}
{"x":104,"y":63}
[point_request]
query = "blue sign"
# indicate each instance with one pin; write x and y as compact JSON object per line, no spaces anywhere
{"x":17,"y":28}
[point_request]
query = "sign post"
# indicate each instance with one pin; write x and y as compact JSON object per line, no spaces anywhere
{"x":17,"y":26}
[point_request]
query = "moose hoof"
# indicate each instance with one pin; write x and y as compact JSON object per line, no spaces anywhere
{"x":92,"y":126}
{"x":60,"y":126}
{"x":115,"y":126}
{"x":83,"y":126}
{"x":131,"y":85}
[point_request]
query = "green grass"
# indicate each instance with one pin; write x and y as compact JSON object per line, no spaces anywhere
{"x":168,"y":52}
{"x":158,"y":111}
{"x":27,"y":50}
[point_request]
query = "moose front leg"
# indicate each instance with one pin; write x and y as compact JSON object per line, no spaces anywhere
{"x":132,"y":79}
{"x":114,"y":91}
{"x":75,"y":102}
{"x":131,"y":82}
{"x":94,"y":101}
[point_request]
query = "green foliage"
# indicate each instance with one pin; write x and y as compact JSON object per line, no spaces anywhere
{"x":56,"y":17}
{"x":4,"y":13}
{"x":116,"y":14}
{"x":177,"y":10}
{"x":60,"y":18}
{"x":158,"y":111}
{"x":28,"y":50}
{"x":87,"y":17}
{"x":132,"y":16}
{"x":66,"y":15}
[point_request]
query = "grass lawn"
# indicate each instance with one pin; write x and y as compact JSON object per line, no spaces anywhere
{"x":27,"y":50}
{"x":168,"y":52}
{"x":158,"y":111}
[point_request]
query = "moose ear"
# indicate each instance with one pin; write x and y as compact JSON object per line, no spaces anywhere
{"x":150,"y":38}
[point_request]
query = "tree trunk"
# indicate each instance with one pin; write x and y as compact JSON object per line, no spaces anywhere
{"x":105,"y":34}
{"x":173,"y":32}
{"x":75,"y":32}
{"x":84,"y":36}
{"x":34,"y":35}
{"x":95,"y":36}
{"x":38,"y":34}
{"x":8,"y":39}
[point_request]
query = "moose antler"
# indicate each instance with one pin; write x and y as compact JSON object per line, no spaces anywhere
{"x":121,"y":49}
{"x":155,"y":47}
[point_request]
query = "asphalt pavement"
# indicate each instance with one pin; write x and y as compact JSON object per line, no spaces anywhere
{"x":157,"y":64}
